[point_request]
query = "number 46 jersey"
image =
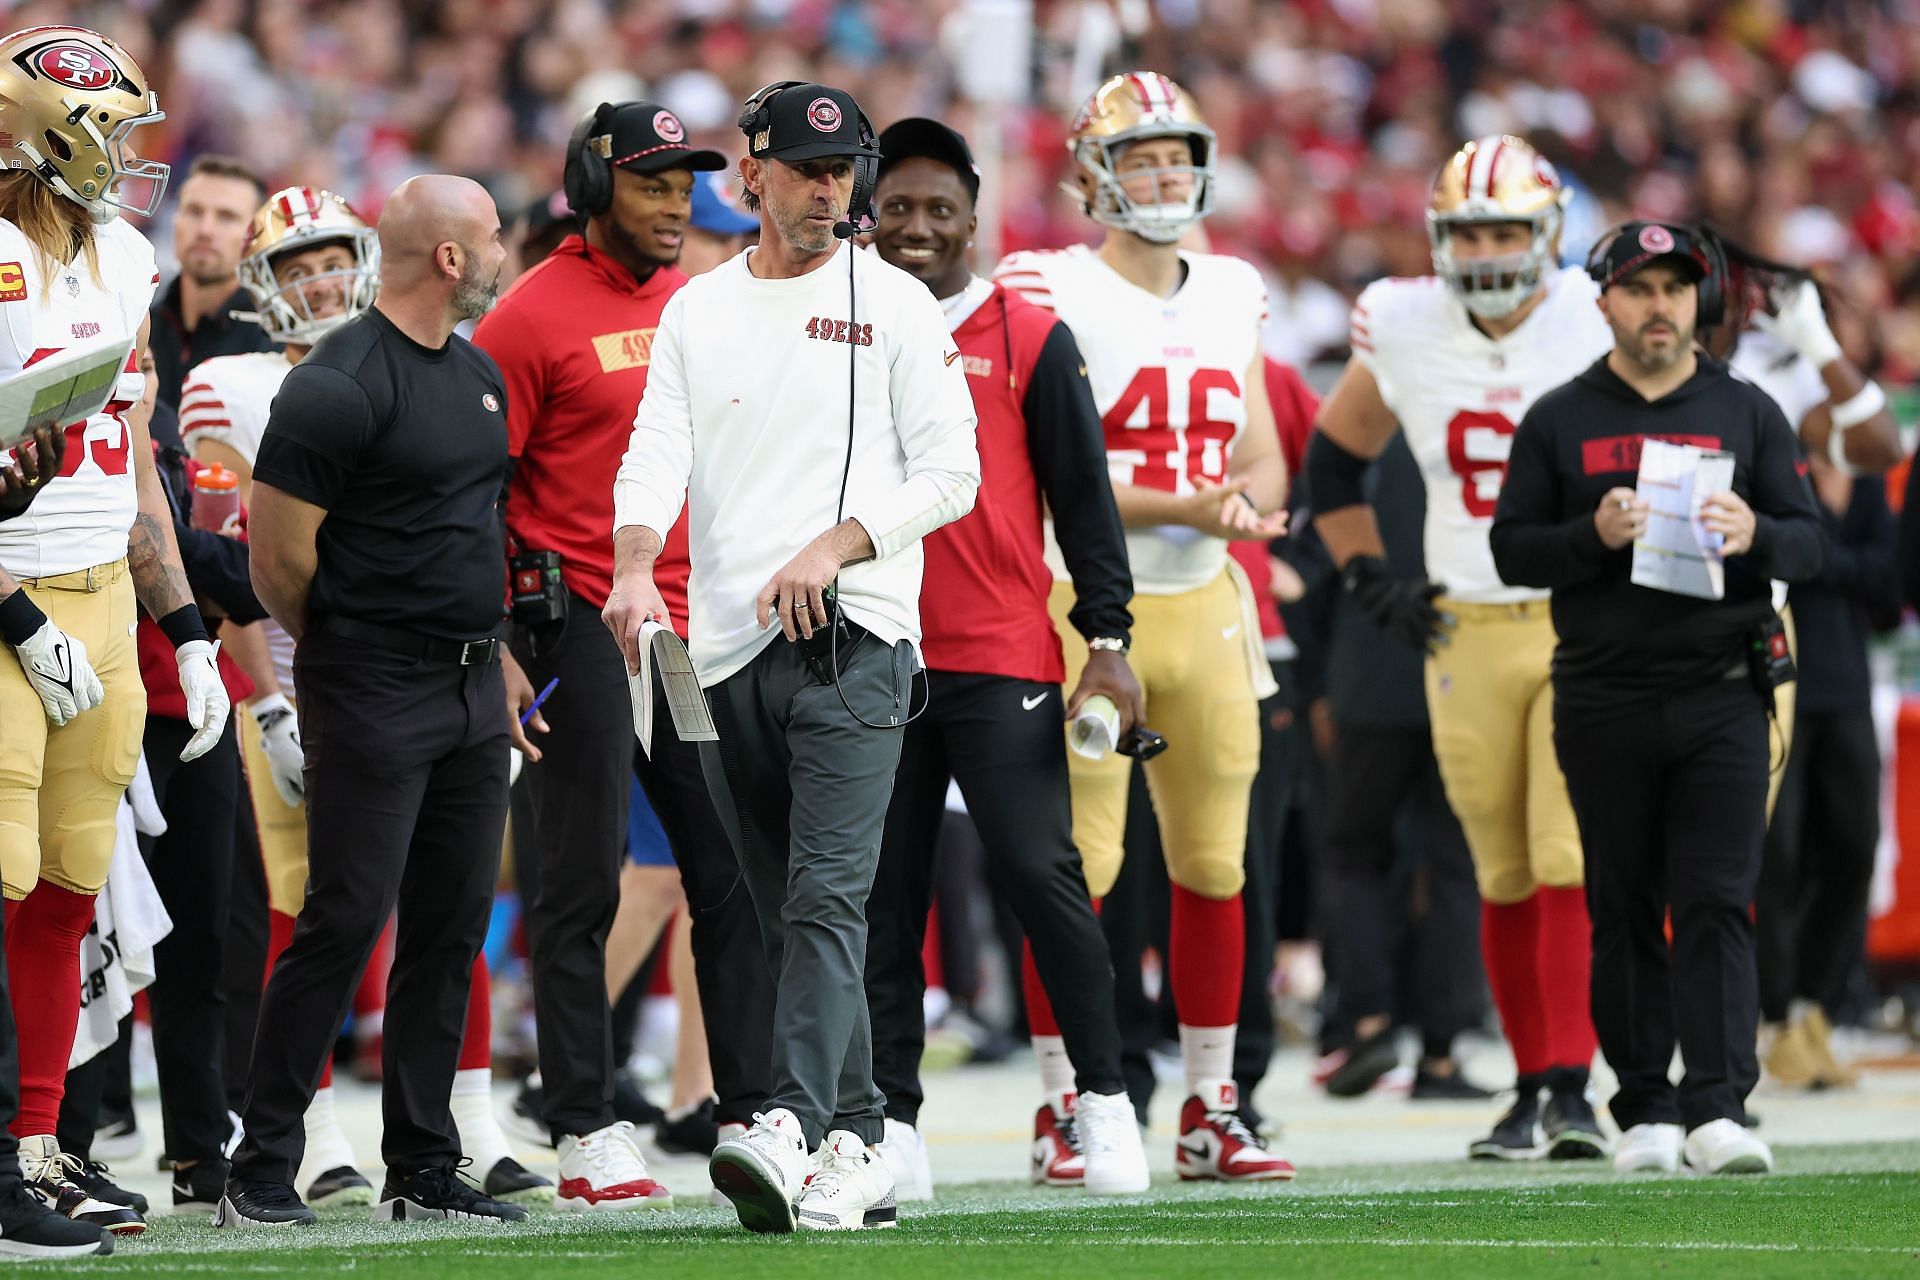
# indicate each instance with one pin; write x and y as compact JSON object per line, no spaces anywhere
{"x":1166,"y":376}
{"x":1459,"y":395}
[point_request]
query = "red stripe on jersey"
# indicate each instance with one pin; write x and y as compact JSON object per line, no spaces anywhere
{"x":1607,"y":454}
{"x":190,"y":425}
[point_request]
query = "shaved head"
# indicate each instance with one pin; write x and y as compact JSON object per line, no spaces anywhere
{"x":441,"y":232}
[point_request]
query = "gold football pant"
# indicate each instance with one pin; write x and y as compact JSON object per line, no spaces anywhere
{"x":1490,"y":699}
{"x":282,"y":826}
{"x":60,"y":788}
{"x":1191,"y":661}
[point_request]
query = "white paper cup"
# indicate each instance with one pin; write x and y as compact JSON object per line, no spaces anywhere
{"x":1096,"y":730}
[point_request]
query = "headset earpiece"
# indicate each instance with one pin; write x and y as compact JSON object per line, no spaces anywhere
{"x":588,"y":177}
{"x":1713,"y":284}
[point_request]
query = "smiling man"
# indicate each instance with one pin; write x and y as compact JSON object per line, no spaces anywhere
{"x":574,"y":339}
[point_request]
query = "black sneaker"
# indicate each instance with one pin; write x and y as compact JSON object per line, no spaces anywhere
{"x":1516,"y":1135}
{"x":696,"y":1133}
{"x":197,"y":1187}
{"x":631,"y":1105}
{"x":1431,"y":1087}
{"x":1367,"y":1060}
{"x":513,"y":1182}
{"x":117,"y":1136}
{"x":1573,"y":1131}
{"x":439,"y":1193}
{"x":261,"y":1204}
{"x":91,"y":1178}
{"x":29,"y":1229}
{"x":344,"y":1187}
{"x":526,"y":1119}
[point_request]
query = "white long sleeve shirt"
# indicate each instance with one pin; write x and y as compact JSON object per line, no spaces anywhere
{"x":744,"y":422}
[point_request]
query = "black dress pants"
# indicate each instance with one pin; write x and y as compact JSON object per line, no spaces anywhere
{"x":1000,"y":738}
{"x":1671,"y":801}
{"x":406,"y":775}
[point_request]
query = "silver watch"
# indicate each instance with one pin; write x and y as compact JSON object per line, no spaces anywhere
{"x":1108,"y":644}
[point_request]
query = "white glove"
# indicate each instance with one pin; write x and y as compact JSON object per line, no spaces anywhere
{"x":280,"y":739}
{"x":207,"y":704}
{"x":57,"y":668}
{"x":1798,"y":321}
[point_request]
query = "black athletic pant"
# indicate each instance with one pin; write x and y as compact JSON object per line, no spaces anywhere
{"x":579,"y":794}
{"x":9,"y":1080}
{"x":729,"y":965}
{"x":1671,"y":800}
{"x":246,"y":957}
{"x":1386,"y":807}
{"x":406,"y":773}
{"x":1001,"y":739}
{"x":1818,"y":868}
{"x":1267,"y":812}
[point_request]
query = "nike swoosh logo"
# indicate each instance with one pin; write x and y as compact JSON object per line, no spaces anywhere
{"x":952,"y":356}
{"x":1198,"y":1150}
{"x":1028,"y":704}
{"x":1228,"y":633}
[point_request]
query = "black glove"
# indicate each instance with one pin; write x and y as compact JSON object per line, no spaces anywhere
{"x":1403,"y":609}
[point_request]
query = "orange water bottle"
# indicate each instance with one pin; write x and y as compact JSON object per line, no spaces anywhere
{"x":216,"y":499}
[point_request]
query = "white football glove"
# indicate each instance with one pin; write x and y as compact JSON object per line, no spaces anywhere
{"x":207,"y":704}
{"x":1798,"y":321}
{"x":57,"y":668}
{"x":280,"y":739}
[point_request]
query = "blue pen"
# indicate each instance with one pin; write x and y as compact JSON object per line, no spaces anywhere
{"x":528,"y":714}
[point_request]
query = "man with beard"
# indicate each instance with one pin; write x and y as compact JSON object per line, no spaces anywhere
{"x":193,"y":317}
{"x":1662,"y":699}
{"x":574,"y":339}
{"x":376,"y":541}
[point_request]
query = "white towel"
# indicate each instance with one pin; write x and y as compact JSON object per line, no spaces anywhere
{"x":116,"y":956}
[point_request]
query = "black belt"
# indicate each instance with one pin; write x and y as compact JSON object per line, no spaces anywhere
{"x":411,"y":644}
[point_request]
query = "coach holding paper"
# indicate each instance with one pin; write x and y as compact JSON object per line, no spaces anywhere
{"x":1661,"y":700}
{"x":807,"y":406}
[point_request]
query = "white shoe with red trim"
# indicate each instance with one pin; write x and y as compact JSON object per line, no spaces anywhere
{"x":1216,"y":1146}
{"x":1056,"y":1160}
{"x":604,"y":1170}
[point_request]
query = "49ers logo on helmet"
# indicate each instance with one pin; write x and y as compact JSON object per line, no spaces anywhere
{"x":1656,"y":239}
{"x":824,"y":114}
{"x":1543,"y":172}
{"x":76,"y":66}
{"x":668,"y":126}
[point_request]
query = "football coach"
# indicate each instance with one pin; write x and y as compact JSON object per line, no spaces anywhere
{"x":808,"y":408}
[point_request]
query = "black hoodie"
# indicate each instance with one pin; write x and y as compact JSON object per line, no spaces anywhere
{"x":1621,"y":643}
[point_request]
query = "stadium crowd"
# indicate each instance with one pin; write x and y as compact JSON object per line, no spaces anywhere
{"x":1310,"y":144}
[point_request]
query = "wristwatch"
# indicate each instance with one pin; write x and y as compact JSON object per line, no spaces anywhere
{"x":1108,"y":644}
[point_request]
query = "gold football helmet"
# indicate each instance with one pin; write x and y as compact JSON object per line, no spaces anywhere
{"x":1496,"y":179}
{"x":1127,"y":109}
{"x":292,"y":220}
{"x":69,"y":100}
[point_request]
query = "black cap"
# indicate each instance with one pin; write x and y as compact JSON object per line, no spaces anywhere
{"x":646,"y":138}
{"x":809,"y":122}
{"x":919,"y":136}
{"x":1634,"y":245}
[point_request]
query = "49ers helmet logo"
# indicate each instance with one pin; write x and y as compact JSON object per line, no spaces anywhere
{"x":668,"y":126}
{"x":1656,"y":239}
{"x":824,"y":114}
{"x":76,"y":66}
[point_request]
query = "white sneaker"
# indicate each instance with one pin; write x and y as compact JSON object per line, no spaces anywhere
{"x":1648,"y":1148}
{"x":852,"y":1190}
{"x":1726,"y":1146}
{"x":728,"y":1132}
{"x":1116,"y":1162}
{"x":604,"y":1170}
{"x":904,"y":1153}
{"x":763,"y":1171}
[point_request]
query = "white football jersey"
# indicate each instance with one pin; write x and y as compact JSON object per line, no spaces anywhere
{"x":1459,"y":395}
{"x":1780,"y":371}
{"x":1166,"y":375}
{"x":227,"y":399}
{"x":82,"y":517}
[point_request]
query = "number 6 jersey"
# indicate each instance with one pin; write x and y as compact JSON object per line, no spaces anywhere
{"x":1166,"y":375}
{"x":1459,"y":394}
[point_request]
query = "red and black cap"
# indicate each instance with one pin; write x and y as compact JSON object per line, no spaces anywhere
{"x":809,"y":121}
{"x":919,"y":136}
{"x":1634,"y":245}
{"x":646,"y":138}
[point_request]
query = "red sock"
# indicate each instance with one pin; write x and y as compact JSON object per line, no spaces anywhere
{"x":1209,"y":944}
{"x":476,"y":1050}
{"x":1510,"y":945}
{"x":279,"y":934}
{"x":1040,"y":1019}
{"x":1565,"y":961}
{"x":43,"y":959}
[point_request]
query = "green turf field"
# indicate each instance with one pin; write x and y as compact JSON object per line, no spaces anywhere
{"x":1839,"y":1211}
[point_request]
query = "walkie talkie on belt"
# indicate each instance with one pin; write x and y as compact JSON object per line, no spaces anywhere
{"x":818,"y":648}
{"x":539,"y":597}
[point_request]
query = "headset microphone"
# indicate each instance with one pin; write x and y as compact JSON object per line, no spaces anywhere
{"x":845,"y":230}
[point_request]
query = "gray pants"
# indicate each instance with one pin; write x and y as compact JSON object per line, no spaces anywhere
{"x":802,"y":788}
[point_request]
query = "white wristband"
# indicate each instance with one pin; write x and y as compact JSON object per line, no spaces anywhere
{"x":1868,"y":401}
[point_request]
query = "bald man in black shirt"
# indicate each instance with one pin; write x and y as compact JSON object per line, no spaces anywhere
{"x":377,"y":544}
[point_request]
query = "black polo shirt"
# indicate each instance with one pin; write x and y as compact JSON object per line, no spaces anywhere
{"x":176,"y":350}
{"x":406,"y":449}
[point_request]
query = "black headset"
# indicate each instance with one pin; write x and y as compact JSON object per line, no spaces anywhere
{"x":756,"y":118}
{"x":1706,"y":250}
{"x":588,"y":177}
